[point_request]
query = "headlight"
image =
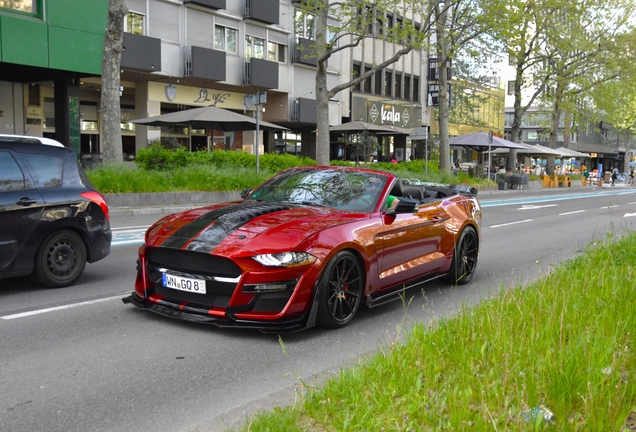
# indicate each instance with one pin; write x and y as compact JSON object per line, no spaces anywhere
{"x":286,"y":259}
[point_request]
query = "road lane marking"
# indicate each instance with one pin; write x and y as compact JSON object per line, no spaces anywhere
{"x":128,"y":236}
{"x":610,"y":206}
{"x":511,"y":223}
{"x":629,"y":215}
{"x":533,"y":206}
{"x":58,"y":308}
{"x":129,"y":228}
{"x":572,"y":212}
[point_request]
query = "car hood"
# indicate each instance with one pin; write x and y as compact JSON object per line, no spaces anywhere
{"x":245,"y":227}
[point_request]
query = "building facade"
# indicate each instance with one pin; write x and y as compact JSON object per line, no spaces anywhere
{"x":181,"y":54}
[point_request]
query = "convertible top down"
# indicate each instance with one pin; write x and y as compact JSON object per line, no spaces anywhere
{"x":307,"y":247}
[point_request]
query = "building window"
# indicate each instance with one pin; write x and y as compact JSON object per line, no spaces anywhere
{"x":416,"y":89}
{"x":304,"y":25}
{"x":254,"y":47}
{"x":398,"y":86}
{"x":134,"y":23}
{"x":367,"y":82}
{"x":225,"y":39}
{"x":28,"y":6}
{"x":407,"y":87}
{"x":511,"y":88}
{"x":355,"y":73}
{"x":276,"y":52}
{"x":378,"y":83}
{"x":388,"y":83}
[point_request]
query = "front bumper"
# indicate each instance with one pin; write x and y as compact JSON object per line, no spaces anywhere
{"x":186,"y":313}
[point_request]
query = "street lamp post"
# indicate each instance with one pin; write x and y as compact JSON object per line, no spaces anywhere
{"x":256,"y":100}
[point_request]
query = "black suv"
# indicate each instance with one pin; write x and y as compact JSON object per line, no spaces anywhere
{"x":52,"y":219}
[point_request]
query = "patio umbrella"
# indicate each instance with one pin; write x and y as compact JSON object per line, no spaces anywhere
{"x":572,"y":153}
{"x":396,"y":130}
{"x":480,"y":141}
{"x":359,"y":126}
{"x":208,"y":118}
{"x":530,"y":150}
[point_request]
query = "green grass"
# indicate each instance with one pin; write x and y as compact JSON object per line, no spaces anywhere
{"x":195,"y":177}
{"x":565,"y":342}
{"x":161,"y":170}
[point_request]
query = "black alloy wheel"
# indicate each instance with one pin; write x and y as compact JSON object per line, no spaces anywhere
{"x":465,"y":257}
{"x":61,"y":259}
{"x":341,"y":289}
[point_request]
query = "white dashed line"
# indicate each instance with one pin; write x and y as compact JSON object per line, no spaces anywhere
{"x":572,"y":212}
{"x":58,"y":308}
{"x":511,"y":223}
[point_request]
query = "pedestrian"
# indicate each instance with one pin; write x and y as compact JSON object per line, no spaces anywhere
{"x":614,"y":176}
{"x":631,"y":177}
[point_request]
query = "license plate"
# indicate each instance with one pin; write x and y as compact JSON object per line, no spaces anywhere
{"x":183,"y":283}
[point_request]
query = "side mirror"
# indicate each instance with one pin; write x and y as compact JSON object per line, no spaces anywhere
{"x":405,"y":205}
{"x":246,"y":192}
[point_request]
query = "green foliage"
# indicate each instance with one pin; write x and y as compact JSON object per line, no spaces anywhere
{"x":157,"y":157}
{"x":278,"y":162}
{"x":566,"y":342}
{"x":195,"y":177}
{"x":163,"y":170}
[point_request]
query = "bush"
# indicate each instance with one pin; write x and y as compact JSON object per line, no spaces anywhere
{"x":157,"y":157}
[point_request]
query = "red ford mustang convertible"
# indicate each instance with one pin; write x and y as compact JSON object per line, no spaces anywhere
{"x":308,"y":247}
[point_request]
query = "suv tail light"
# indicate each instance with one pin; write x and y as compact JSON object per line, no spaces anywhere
{"x":98,"y":199}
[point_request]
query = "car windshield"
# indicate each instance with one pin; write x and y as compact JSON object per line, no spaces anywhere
{"x":340,"y":189}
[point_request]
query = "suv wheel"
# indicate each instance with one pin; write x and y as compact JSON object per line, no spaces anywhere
{"x":60,"y":260}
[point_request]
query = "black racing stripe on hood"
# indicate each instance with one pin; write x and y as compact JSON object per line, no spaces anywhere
{"x":220,"y":223}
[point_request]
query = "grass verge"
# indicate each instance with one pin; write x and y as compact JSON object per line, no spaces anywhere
{"x":566,"y":343}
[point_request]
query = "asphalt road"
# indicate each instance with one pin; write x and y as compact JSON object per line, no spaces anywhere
{"x":78,"y":359}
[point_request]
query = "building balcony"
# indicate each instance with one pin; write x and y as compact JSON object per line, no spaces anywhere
{"x":141,"y":53}
{"x":261,"y":73}
{"x":214,"y":4}
{"x":303,"y":52}
{"x":204,"y":63}
{"x":267,"y":11}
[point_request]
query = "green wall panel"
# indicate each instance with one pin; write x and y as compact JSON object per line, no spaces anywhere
{"x":74,"y":50}
{"x":24,"y":41}
{"x":85,"y":15}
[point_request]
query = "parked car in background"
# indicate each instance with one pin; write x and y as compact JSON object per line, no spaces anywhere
{"x":52,"y":219}
{"x":308,"y":247}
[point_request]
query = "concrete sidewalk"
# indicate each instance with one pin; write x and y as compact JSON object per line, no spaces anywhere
{"x":139,"y":204}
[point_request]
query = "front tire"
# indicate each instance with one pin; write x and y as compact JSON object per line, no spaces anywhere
{"x":60,"y":260}
{"x":465,"y":257}
{"x":341,"y":289}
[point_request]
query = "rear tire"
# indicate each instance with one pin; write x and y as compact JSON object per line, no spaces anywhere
{"x":341,"y":289}
{"x":465,"y":257}
{"x":60,"y":260}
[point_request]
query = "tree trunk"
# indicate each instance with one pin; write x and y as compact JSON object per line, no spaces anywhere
{"x":442,"y":56}
{"x":322,"y":96}
{"x":111,"y":66}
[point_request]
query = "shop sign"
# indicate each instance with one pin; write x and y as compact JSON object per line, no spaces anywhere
{"x":194,"y":96}
{"x":389,"y":114}
{"x":171,"y":92}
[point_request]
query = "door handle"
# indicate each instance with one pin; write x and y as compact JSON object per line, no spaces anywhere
{"x":26,"y":201}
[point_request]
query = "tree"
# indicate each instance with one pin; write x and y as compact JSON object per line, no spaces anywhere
{"x":461,"y":26}
{"x":110,"y":92}
{"x":520,"y":30}
{"x":583,"y":45}
{"x":357,"y":21}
